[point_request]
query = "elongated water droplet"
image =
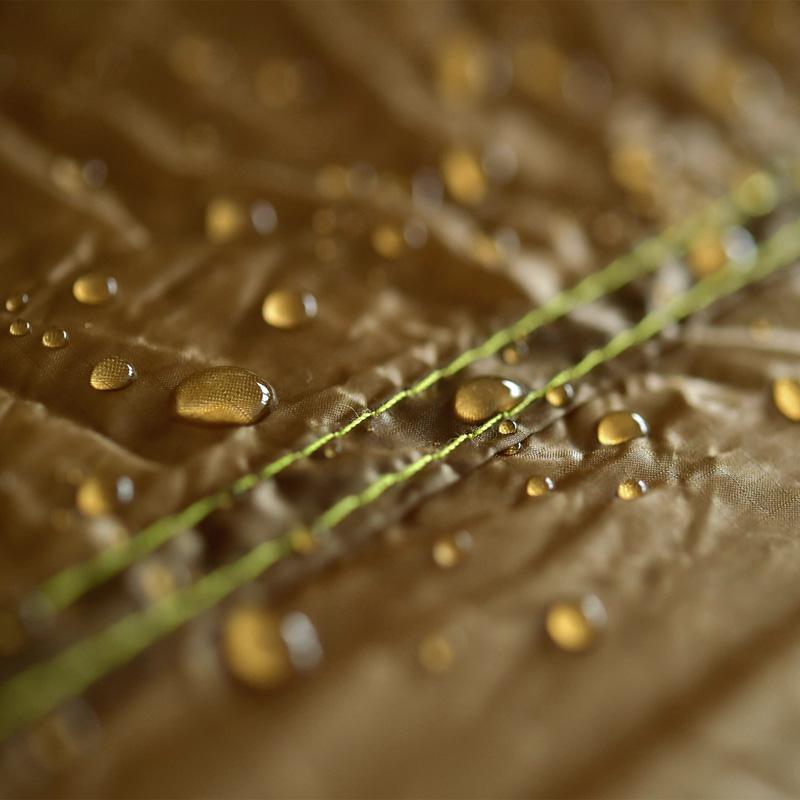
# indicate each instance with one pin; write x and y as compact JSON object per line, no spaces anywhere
{"x":287,"y":308}
{"x":481,"y":398}
{"x":449,"y":551}
{"x":19,"y":327}
{"x":94,"y":288}
{"x":617,"y":427}
{"x":574,"y":625}
{"x":55,"y":338}
{"x":539,"y":485}
{"x":222,"y":396}
{"x":17,"y":302}
{"x":506,"y":427}
{"x":111,"y":374}
{"x":100,"y":497}
{"x":559,"y":396}
{"x":631,"y":489}
{"x":786,"y":396}
{"x":511,"y":450}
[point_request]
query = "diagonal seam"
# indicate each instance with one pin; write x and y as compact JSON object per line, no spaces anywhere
{"x":32,"y":693}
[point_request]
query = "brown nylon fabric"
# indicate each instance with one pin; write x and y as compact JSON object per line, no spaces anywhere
{"x":692,"y":690}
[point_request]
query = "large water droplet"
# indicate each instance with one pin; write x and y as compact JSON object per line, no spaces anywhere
{"x":617,"y":427}
{"x":631,"y":489}
{"x":19,"y":327}
{"x":574,"y":625}
{"x":507,"y":427}
{"x":222,"y":396}
{"x":481,"y":398}
{"x":94,"y":288}
{"x":539,"y":485}
{"x":449,"y":551}
{"x":287,"y":308}
{"x":559,"y":396}
{"x":786,"y":396}
{"x":55,"y":338}
{"x":112,"y":373}
{"x":100,"y":497}
{"x":17,"y":302}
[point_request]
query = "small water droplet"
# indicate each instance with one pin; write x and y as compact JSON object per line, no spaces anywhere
{"x":111,"y":374}
{"x":559,"y":396}
{"x":94,"y":288}
{"x":786,"y":396}
{"x":19,"y":327}
{"x":303,"y":542}
{"x":222,"y":396}
{"x":617,"y":427}
{"x":707,"y":253}
{"x":757,"y":195}
{"x":100,"y":497}
{"x":55,"y":338}
{"x":574,"y":625}
{"x":332,"y":449}
{"x":506,"y":427}
{"x":514,"y":353}
{"x":449,"y":551}
{"x":436,"y":654}
{"x":17,"y":302}
{"x":387,"y":241}
{"x":539,"y":485}
{"x":153,"y":580}
{"x":287,"y":308}
{"x":481,"y":398}
{"x":225,"y":220}
{"x":631,"y":489}
{"x":464,"y":177}
{"x":511,"y":450}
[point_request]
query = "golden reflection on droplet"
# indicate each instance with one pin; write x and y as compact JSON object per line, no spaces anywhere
{"x":112,"y":373}
{"x":449,"y":551}
{"x":464,"y":177}
{"x":253,"y":649}
{"x":387,"y":241}
{"x":511,"y":450}
{"x":225,"y":220}
{"x":17,"y":302}
{"x":617,"y":427}
{"x":480,"y":398}
{"x":94,"y":288}
{"x":332,"y":449}
{"x":757,"y":195}
{"x":632,"y":167}
{"x":506,"y":427}
{"x":288,"y":308}
{"x":786,"y":396}
{"x":222,"y":396}
{"x":436,"y":654}
{"x":486,"y":251}
{"x":303,"y":542}
{"x":19,"y":327}
{"x":559,"y":396}
{"x":631,"y":489}
{"x":12,"y":634}
{"x":575,"y":625}
{"x":55,"y":338}
{"x":539,"y":485}
{"x":514,"y":353}
{"x":101,"y":496}
{"x":707,"y":253}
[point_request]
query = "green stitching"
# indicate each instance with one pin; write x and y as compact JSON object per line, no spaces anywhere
{"x":65,"y":587}
{"x":42,"y":687}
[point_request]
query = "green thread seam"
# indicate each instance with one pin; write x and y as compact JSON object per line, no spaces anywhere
{"x":65,"y":587}
{"x":42,"y":687}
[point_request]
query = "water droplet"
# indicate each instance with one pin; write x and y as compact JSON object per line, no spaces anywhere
{"x":617,"y":427}
{"x":225,"y":220}
{"x":539,"y":485}
{"x":263,"y":217}
{"x":449,"y":551}
{"x":287,"y":308}
{"x":707,"y":253}
{"x":19,"y":327}
{"x":786,"y":396}
{"x":514,"y":353}
{"x":757,"y":195}
{"x":55,"y":338}
{"x":464,"y":177}
{"x":153,"y":579}
{"x":94,"y":288}
{"x":436,"y":654}
{"x":559,"y":396}
{"x":112,"y":373}
{"x":631,"y":489}
{"x":332,"y":449}
{"x":387,"y":241}
{"x":65,"y":173}
{"x":17,"y":302}
{"x":512,"y":450}
{"x":222,"y":396}
{"x":506,"y":427}
{"x":481,"y":398}
{"x":100,"y":497}
{"x":303,"y":542}
{"x":574,"y":625}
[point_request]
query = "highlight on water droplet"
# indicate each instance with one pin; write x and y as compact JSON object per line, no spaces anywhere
{"x":449,"y":551}
{"x":617,"y":427}
{"x":111,"y":374}
{"x":19,"y":327}
{"x":480,"y":398}
{"x":222,"y":396}
{"x":559,"y":396}
{"x":101,"y":496}
{"x":511,"y":450}
{"x":288,"y":308}
{"x":463,"y":176}
{"x":574,"y":625}
{"x":55,"y":338}
{"x":507,"y":427}
{"x":94,"y":288}
{"x":631,"y":489}
{"x":786,"y":396}
{"x":225,"y":220}
{"x":539,"y":485}
{"x":17,"y":302}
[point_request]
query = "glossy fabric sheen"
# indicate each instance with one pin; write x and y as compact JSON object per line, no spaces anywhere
{"x":692,"y":690}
